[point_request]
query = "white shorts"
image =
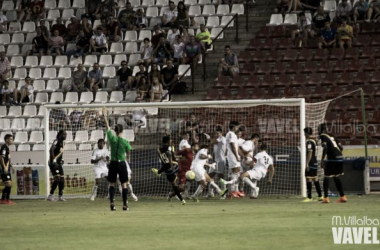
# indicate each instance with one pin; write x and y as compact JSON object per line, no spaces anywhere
{"x":255,"y":174}
{"x":199,"y":173}
{"x":129,"y":171}
{"x":220,"y":166}
{"x":232,"y":161}
{"x":100,"y":172}
{"x":245,"y":164}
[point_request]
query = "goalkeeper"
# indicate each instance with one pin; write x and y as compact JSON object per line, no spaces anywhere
{"x":120,"y":147}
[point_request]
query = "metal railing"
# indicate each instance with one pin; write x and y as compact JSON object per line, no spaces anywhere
{"x":204,"y":54}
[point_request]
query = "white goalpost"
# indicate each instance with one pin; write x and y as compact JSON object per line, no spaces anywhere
{"x":279,"y":122}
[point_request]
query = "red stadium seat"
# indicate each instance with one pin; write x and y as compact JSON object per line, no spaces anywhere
{"x":304,"y":55}
{"x":294,"y":68}
{"x":314,"y":80}
{"x":336,"y":54}
{"x":299,"y":80}
{"x":351,"y":53}
{"x":226,"y":95}
{"x":362,"y":41}
{"x":368,"y":90}
{"x":330,"y":79}
{"x":269,"y":44}
{"x":375,"y":78}
{"x":283,"y":81}
{"x":355,"y":66}
{"x":242,"y":94}
{"x":310,"y":67}
{"x":325,"y":67}
{"x":279,"y":68}
{"x":368,"y":52}
{"x":320,"y":55}
{"x":268,"y":81}
{"x":244,"y":56}
{"x":278,"y":31}
{"x":319,"y":93}
{"x":290,"y":92}
{"x":223,"y":82}
{"x":345,"y":79}
{"x":361,"y":79}
{"x":371,"y":65}
{"x":375,"y":41}
{"x":264,"y":68}
{"x":212,"y":94}
{"x":248,"y":69}
{"x":264,"y":32}
{"x":259,"y":56}
{"x":237,"y":82}
{"x":273,"y":56}
{"x":367,"y":28}
{"x":289,"y":56}
{"x":273,"y":93}
{"x":259,"y":93}
{"x":333,"y":92}
{"x":339,"y":67}
{"x":354,"y":105}
{"x":253,"y":81}
{"x":255,"y":44}
{"x":371,"y":104}
{"x":285,"y":43}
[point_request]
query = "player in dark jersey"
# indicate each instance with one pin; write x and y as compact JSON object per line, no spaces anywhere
{"x":333,"y":166}
{"x":55,"y":165}
{"x":169,"y":166}
{"x":5,"y":167}
{"x":311,"y":166}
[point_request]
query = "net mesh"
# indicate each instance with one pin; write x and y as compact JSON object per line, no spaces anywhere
{"x":278,"y":124}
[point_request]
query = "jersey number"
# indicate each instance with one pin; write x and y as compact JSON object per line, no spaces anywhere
{"x":165,"y":158}
{"x":266,"y":160}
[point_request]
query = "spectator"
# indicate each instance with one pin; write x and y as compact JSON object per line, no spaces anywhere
{"x":6,"y":93}
{"x":86,"y":27}
{"x":3,"y":22}
{"x":304,"y":31}
{"x":93,"y":9}
{"x":23,"y":9}
{"x":73,"y":29}
{"x":37,"y":11}
{"x":107,"y":8}
{"x":141,"y":73}
{"x":147,"y":52}
{"x":78,"y":83}
{"x":154,"y":72}
{"x":90,"y":119}
{"x":126,"y":17}
{"x":300,"y":5}
{"x":373,"y":10}
{"x":183,"y":15}
{"x":344,"y":9}
{"x":170,"y":15}
{"x":60,"y":27}
{"x":104,"y":26}
{"x":162,"y":51}
{"x":39,"y":44}
{"x":26,"y":92}
{"x":185,"y":36}
{"x":124,"y":77}
{"x":319,"y":19}
{"x":82,"y":45}
{"x":142,"y":89}
{"x":229,"y":65}
{"x":169,"y":74}
{"x":191,"y":52}
{"x":171,"y":36}
{"x":328,"y":38}
{"x":345,"y":34}
{"x":58,"y":119}
{"x":5,"y":67}
{"x":158,"y":33}
{"x":98,"y":42}
{"x":282,"y":6}
{"x":204,"y":38}
{"x":56,"y":43}
{"x":44,"y":29}
{"x":114,"y":32}
{"x":140,"y":20}
{"x":359,"y":11}
{"x":156,"y":90}
{"x":95,"y":79}
{"x":178,"y":47}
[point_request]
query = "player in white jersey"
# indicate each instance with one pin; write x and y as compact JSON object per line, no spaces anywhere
{"x":201,"y":176}
{"x":233,"y":157}
{"x":185,"y":141}
{"x":220,"y":149}
{"x":246,"y":151}
{"x":240,"y":139}
{"x":129,"y":185}
{"x":100,"y":158}
{"x":261,"y":164}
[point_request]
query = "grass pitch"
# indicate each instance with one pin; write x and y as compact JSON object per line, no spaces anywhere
{"x":154,"y":223}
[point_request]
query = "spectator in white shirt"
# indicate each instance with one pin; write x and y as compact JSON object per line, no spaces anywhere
{"x":3,"y":22}
{"x":178,"y":46}
{"x":170,"y":15}
{"x":304,"y":29}
{"x":6,"y":93}
{"x":147,"y":52}
{"x":26,"y":92}
{"x":98,"y":42}
{"x":344,"y":10}
{"x":171,"y":37}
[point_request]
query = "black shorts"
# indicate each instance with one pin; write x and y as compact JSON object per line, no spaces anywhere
{"x":56,"y":169}
{"x":6,"y":177}
{"x":312,"y":173}
{"x":117,"y":168}
{"x":171,"y":177}
{"x":333,"y":168}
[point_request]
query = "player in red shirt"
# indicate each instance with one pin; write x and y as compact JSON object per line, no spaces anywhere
{"x":186,"y":158}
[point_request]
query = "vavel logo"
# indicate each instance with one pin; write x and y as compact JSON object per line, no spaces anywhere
{"x":354,"y":230}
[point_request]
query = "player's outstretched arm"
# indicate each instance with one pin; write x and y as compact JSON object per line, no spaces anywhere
{"x":105,"y":117}
{"x":271,"y":174}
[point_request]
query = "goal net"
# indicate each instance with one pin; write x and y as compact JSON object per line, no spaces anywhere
{"x":278,"y":122}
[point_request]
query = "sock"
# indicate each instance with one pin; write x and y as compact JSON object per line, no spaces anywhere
{"x":111,"y":193}
{"x":241,"y":185}
{"x":318,"y":188}
{"x":338,"y":184}
{"x":130,"y":189}
{"x":249,"y":182}
{"x":326,"y":186}
{"x":177,"y":192}
{"x":124,"y":193}
{"x":212,"y":184}
{"x":120,"y":188}
{"x":53,"y":187}
{"x":308,"y":186}
{"x":94,"y":191}
{"x":234,"y":180}
{"x":8,"y":193}
{"x":5,"y":193}
{"x":187,"y":187}
{"x":61,"y":186}
{"x":199,"y":191}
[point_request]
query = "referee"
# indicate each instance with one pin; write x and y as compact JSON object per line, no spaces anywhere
{"x":120,"y":147}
